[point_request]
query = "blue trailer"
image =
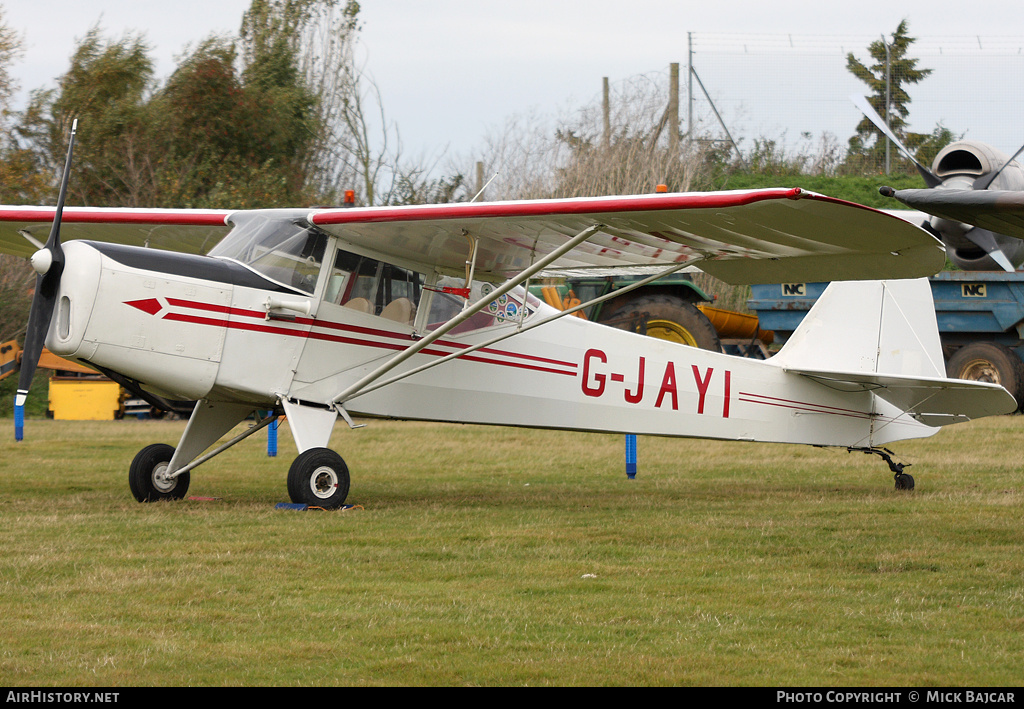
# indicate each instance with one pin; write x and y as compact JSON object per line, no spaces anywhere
{"x":980,"y":316}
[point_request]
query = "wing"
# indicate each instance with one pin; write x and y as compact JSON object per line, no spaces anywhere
{"x":24,"y":229}
{"x":997,"y":210}
{"x":740,"y":237}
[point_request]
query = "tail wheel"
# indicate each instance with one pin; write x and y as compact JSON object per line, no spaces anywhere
{"x":319,"y":478}
{"x":673,"y":319}
{"x":904,"y":481}
{"x":148,"y":475}
{"x":989,"y":362}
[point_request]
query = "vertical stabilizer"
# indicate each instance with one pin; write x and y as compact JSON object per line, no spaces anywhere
{"x":882,"y":327}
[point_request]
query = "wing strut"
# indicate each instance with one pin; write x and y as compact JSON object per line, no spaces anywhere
{"x":466,"y":313}
{"x":505,"y":335}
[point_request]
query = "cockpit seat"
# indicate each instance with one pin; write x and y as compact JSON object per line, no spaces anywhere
{"x":360,"y":304}
{"x":400,"y":310}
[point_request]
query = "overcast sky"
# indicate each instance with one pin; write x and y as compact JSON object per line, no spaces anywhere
{"x":450,"y":70}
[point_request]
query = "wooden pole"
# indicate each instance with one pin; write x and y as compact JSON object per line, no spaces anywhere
{"x":673,"y":110}
{"x":606,"y":112}
{"x":689,"y":88}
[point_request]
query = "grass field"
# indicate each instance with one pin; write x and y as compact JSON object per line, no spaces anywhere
{"x":491,"y":556}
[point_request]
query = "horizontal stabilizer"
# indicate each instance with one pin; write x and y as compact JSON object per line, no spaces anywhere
{"x":933,"y":401}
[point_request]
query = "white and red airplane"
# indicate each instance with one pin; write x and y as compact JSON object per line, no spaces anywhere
{"x":422,"y":312}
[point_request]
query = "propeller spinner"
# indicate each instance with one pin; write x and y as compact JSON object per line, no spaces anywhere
{"x":48,"y":263}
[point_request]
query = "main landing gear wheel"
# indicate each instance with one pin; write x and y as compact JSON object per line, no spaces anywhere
{"x":148,"y":477}
{"x":319,"y":478}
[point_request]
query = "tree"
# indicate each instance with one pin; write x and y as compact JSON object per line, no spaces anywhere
{"x":311,"y":42}
{"x":235,"y":139}
{"x":352,"y":144}
{"x":214,"y":135}
{"x":279,"y":116}
{"x":10,"y":50}
{"x":21,"y":177}
{"x":18,"y":184}
{"x":886,"y":79}
{"x":583,"y":155}
{"x":107,"y":88}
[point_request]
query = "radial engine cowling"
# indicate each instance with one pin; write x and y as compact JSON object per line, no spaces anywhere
{"x":966,"y":165}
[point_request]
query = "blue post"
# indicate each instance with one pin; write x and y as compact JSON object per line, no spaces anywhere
{"x":631,"y":455}
{"x":272,"y":438}
{"x":19,"y":421}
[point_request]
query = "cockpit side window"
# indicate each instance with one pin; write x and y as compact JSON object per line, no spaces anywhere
{"x":364,"y":285}
{"x":447,"y":302}
{"x":341,"y":279}
{"x":375,"y":287}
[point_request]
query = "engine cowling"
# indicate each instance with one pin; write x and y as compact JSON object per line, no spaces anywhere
{"x":966,"y":165}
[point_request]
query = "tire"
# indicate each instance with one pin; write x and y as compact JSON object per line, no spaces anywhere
{"x":989,"y":362}
{"x":146,"y":475}
{"x":319,"y":478}
{"x":904,"y":481}
{"x":671,"y":318}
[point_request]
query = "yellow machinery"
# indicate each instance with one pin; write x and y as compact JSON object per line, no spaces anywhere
{"x":10,"y":353}
{"x":77,"y":393}
{"x":733,"y":325}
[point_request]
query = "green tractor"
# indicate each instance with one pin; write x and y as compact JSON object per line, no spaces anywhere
{"x":673,"y":308}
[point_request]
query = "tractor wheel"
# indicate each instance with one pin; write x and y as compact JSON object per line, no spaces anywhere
{"x":147,"y":476}
{"x":319,"y":478}
{"x":989,"y":362}
{"x":671,"y":318}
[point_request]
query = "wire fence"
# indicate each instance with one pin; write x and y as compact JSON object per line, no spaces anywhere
{"x":795,"y":90}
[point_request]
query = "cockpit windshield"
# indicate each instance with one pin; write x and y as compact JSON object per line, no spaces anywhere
{"x":279,"y":249}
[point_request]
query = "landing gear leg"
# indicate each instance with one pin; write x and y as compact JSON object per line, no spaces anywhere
{"x":904,"y":481}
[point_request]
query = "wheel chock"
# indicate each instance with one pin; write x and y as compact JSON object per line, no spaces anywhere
{"x":300,"y":507}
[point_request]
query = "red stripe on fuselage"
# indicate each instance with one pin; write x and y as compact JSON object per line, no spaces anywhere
{"x":807,"y":407}
{"x":361,"y":330}
{"x":355,"y":329}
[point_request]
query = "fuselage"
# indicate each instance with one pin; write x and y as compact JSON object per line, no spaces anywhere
{"x":214,"y":328}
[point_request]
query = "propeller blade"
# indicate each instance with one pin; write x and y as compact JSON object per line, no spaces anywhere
{"x":862,"y":103}
{"x":983,"y":183}
{"x":49,"y":264}
{"x":986,"y":240}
